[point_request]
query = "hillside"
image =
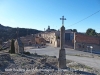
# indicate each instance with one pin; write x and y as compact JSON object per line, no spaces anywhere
{"x":9,"y":32}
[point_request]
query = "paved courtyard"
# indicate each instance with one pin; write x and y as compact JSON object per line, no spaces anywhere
{"x":74,"y":55}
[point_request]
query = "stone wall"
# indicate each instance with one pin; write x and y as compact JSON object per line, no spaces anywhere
{"x":86,"y":39}
{"x":83,"y":46}
{"x":39,"y":40}
{"x":19,"y":47}
{"x":81,"y":41}
{"x":69,"y":44}
{"x":52,"y":37}
{"x":57,"y":43}
{"x":48,"y":36}
{"x":28,"y":39}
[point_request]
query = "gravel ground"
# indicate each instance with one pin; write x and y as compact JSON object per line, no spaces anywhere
{"x":14,"y":64}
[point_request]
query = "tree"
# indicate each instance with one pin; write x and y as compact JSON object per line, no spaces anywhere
{"x":91,"y":32}
{"x":98,"y":34}
{"x":12,"y":47}
{"x":74,"y":30}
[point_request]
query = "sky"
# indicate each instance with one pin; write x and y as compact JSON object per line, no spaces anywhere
{"x":38,"y":14}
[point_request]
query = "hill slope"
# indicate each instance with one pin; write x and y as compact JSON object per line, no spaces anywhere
{"x":9,"y":32}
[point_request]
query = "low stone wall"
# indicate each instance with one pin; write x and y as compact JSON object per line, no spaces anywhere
{"x":83,"y":47}
{"x":81,"y":41}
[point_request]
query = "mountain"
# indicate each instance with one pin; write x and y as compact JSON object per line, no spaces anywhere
{"x":11,"y":33}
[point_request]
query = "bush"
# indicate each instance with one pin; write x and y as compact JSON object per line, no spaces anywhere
{"x":27,"y":53}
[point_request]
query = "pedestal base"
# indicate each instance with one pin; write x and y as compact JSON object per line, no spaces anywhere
{"x":62,"y":59}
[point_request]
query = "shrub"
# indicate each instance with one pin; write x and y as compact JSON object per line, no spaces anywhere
{"x":27,"y":53}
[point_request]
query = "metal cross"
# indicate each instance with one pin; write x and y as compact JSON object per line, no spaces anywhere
{"x":62,"y":20}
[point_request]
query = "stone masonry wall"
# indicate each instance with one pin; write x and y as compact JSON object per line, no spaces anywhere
{"x":83,"y":46}
{"x":81,"y":41}
{"x":87,"y":39}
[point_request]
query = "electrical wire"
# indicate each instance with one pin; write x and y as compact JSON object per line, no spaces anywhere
{"x":84,"y":18}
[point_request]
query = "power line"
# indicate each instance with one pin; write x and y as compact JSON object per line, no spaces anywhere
{"x":85,"y":18}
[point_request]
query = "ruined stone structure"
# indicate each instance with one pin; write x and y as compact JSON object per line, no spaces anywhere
{"x":28,"y":40}
{"x":54,"y":37}
{"x":74,"y":41}
{"x":81,"y":41}
{"x":51,"y":37}
{"x":19,"y":47}
{"x":39,"y":40}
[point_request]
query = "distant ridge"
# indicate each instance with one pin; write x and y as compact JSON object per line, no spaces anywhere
{"x":7,"y":32}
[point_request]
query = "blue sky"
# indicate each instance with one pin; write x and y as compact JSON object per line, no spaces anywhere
{"x":38,"y":14}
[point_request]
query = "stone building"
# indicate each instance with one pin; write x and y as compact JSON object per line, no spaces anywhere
{"x":28,"y":40}
{"x":53,"y":37}
{"x":40,"y":41}
{"x":78,"y":41}
{"x":82,"y":41}
{"x":50,"y":30}
{"x":19,"y":47}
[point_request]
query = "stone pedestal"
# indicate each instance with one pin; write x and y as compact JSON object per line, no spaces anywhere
{"x":62,"y":56}
{"x":62,"y":59}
